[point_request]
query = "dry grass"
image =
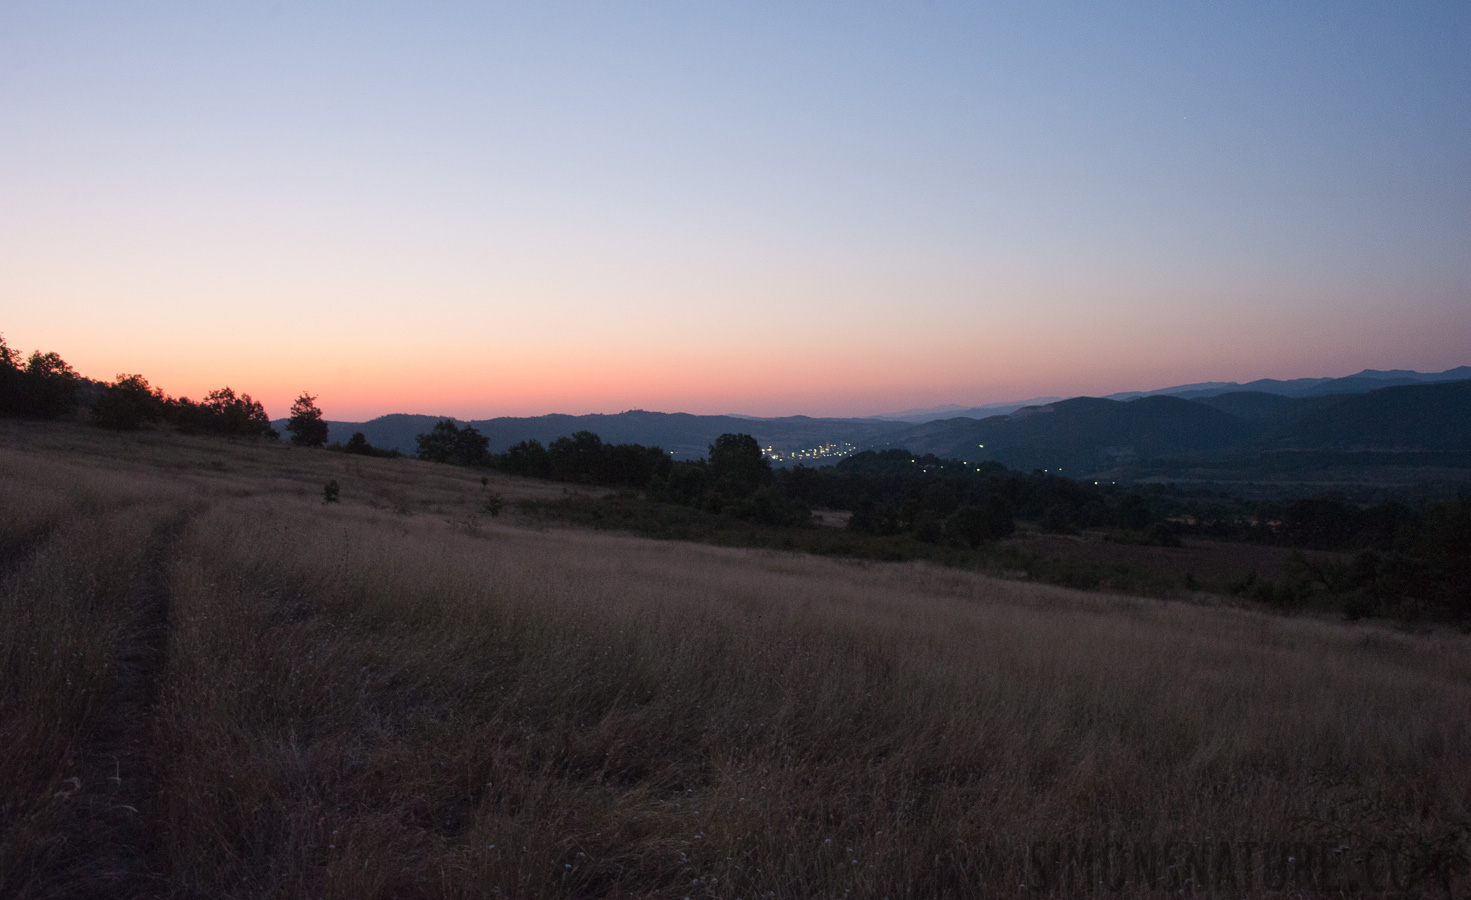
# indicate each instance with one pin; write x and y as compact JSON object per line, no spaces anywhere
{"x":397,"y":696}
{"x":1210,"y":561}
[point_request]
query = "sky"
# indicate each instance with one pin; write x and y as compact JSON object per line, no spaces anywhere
{"x":778,"y":208}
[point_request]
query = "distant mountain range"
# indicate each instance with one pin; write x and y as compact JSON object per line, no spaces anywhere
{"x":1219,"y":426}
{"x":1089,"y":436}
{"x":687,"y":436}
{"x":1367,"y":380}
{"x":951,"y":410}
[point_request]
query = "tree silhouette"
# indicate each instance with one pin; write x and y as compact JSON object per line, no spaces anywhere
{"x":221,"y":412}
{"x":358,"y":444}
{"x":737,"y":467}
{"x":449,"y":443}
{"x":528,"y":458}
{"x":44,"y":388}
{"x":128,"y":404}
{"x":53,"y":384}
{"x":577,"y":458}
{"x":10,"y":379}
{"x":306,"y":425}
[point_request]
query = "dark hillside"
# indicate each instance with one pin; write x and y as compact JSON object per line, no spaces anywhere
{"x":1254,"y":406}
{"x":1414,"y":417}
{"x":1374,"y":379}
{"x":1084,"y":434}
{"x":686,"y":435}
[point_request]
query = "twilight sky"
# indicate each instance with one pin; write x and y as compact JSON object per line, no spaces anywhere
{"x":763,"y":208}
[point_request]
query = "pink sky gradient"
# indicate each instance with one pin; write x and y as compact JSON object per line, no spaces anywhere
{"x":766,"y":210}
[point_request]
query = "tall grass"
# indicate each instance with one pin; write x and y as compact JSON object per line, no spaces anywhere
{"x":352,"y":701}
{"x":77,"y":612}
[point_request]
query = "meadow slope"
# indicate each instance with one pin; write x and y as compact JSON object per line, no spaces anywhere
{"x":214,"y":684}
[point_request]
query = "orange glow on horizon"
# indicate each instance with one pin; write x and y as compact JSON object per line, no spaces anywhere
{"x":720,"y":381}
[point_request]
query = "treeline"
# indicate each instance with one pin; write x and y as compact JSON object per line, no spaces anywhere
{"x":899,"y":492}
{"x":582,"y":458}
{"x":735,"y":480}
{"x":890,"y":493}
{"x":1324,"y":522}
{"x":1407,"y":561}
{"x":44,"y":386}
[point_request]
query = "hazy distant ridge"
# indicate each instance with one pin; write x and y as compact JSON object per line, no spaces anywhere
{"x":1367,"y":380}
{"x":686,"y":435}
{"x":1080,"y":436}
{"x":1085,"y":436}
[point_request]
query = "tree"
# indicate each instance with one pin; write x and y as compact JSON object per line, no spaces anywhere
{"x":9,"y":359}
{"x":528,"y":458}
{"x":577,"y":458}
{"x":222,"y":412}
{"x":10,"y":379}
{"x":306,"y":425}
{"x":128,"y":404}
{"x":737,"y":467}
{"x":46,"y":387}
{"x":634,"y":465}
{"x":449,"y":443}
{"x":358,"y":444}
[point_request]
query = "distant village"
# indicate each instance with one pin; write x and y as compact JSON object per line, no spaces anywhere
{"x":827,"y":451}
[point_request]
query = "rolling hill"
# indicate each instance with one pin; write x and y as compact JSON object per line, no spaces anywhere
{"x":1091,"y":436}
{"x":1158,"y":435}
{"x":685,"y":435}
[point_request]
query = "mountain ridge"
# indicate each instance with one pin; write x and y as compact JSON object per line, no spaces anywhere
{"x":1365,"y":380}
{"x":1079,"y":436}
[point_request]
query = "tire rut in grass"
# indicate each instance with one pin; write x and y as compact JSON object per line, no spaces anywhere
{"x":15,"y":552}
{"x":115,"y":853}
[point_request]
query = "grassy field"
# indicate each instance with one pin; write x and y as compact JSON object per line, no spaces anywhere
{"x":214,"y":684}
{"x":1122,"y":562}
